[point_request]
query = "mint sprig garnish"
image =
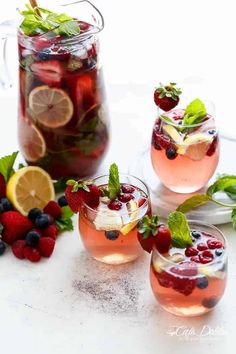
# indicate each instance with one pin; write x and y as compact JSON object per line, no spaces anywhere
{"x":79,"y":185}
{"x":226,"y":184}
{"x":6,"y":165}
{"x":114,"y":182}
{"x":34,"y":24}
{"x":179,"y":229}
{"x":194,"y":113}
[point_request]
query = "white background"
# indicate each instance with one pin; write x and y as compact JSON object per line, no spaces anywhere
{"x":41,"y":309}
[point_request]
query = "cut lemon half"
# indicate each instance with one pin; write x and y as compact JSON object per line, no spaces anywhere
{"x":195,"y":146}
{"x":30,"y":187}
{"x":128,"y":227}
{"x":173,"y":133}
{"x":32,"y":143}
{"x":52,"y":107}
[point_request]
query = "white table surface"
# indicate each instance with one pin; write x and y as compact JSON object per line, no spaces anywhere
{"x":73,"y":304}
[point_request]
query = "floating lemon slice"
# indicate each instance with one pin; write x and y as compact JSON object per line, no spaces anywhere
{"x":207,"y":272}
{"x":32,"y":143}
{"x":195,"y":146}
{"x":128,"y":227}
{"x":173,"y":133}
{"x":157,"y":266}
{"x":52,"y":107}
{"x":30,"y":187}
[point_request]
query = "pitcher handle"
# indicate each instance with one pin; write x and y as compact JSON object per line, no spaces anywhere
{"x":7,"y":29}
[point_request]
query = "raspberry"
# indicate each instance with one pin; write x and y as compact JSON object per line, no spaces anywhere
{"x":53,"y":209}
{"x":191,"y":251}
{"x":50,"y":231}
{"x":32,"y":254}
{"x":206,"y":257}
{"x":202,"y":246}
{"x":125,"y":197}
{"x":46,"y":246}
{"x":115,"y":205}
{"x":212,"y":244}
{"x":18,"y":248}
{"x":127,"y":188}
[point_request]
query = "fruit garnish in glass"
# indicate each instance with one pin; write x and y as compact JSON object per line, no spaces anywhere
{"x":62,"y":124}
{"x":110,"y":208}
{"x":185,"y":142}
{"x":188,"y":264}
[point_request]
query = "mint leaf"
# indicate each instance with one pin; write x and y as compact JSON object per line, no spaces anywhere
{"x":195,"y":112}
{"x":193,"y":202}
{"x":231,"y":193}
{"x":222,"y":184}
{"x":179,"y":229}
{"x":233,"y":218}
{"x":166,"y":119}
{"x":114,"y":182}
{"x":6,"y":165}
{"x":34,"y":24}
{"x":64,"y":223}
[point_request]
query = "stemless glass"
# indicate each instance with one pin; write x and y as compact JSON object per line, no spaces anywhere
{"x":184,"y":157}
{"x":189,"y":289}
{"x":125,"y":247}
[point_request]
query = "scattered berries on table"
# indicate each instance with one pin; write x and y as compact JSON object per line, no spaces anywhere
{"x":46,"y":246}
{"x":6,"y":205}
{"x":2,"y":247}
{"x":32,"y":254}
{"x":50,"y":231}
{"x":53,"y":209}
{"x":2,"y":186}
{"x":18,"y":249}
{"x":15,"y":226}
{"x":32,"y":238}
{"x":62,"y":201}
{"x":43,"y":221}
{"x":34,"y":213}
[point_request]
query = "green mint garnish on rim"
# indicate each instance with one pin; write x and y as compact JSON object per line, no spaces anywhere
{"x":226,"y":184}
{"x":34,"y":24}
{"x":179,"y":229}
{"x":195,"y":112}
{"x":114,"y":182}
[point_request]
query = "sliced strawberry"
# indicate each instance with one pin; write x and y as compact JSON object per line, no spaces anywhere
{"x":167,"y":97}
{"x":163,"y":239}
{"x":49,"y":72}
{"x":82,"y":192}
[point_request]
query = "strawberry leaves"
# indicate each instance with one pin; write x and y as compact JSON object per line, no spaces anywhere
{"x":148,"y":226}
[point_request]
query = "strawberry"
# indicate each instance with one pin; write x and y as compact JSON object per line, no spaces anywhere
{"x":50,"y":231}
{"x":163,"y":239}
{"x":53,"y":209}
{"x":82,"y":192}
{"x":50,"y":72}
{"x":15,"y":226}
{"x":167,"y":97}
{"x":147,"y":231}
{"x":18,"y":248}
{"x":2,"y":186}
{"x":46,"y":246}
{"x":32,"y":254}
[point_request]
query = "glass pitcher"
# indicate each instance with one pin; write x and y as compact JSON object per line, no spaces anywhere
{"x":62,"y":116}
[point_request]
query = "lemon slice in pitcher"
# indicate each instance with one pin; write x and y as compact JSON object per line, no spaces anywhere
{"x":51,"y":107}
{"x":30,"y":187}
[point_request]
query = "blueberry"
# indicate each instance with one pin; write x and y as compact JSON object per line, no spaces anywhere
{"x":218,"y":252}
{"x":202,"y":282}
{"x":2,"y":247}
{"x":112,"y":235}
{"x":210,"y":302}
{"x":211,"y":132}
{"x":32,"y":238}
{"x":42,"y":221}
{"x":171,"y":153}
{"x":34,"y":213}
{"x":6,"y":204}
{"x":180,"y":122}
{"x":196,"y":234}
{"x":62,"y":201}
{"x":44,"y":54}
{"x":1,"y":208}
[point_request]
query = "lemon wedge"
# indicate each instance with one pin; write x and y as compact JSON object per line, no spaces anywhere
{"x":173,"y":133}
{"x":132,"y":206}
{"x":195,"y":146}
{"x":30,"y":187}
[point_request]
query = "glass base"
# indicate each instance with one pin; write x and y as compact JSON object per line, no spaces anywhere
{"x":191,"y":311}
{"x":184,"y":190}
{"x":116,"y":258}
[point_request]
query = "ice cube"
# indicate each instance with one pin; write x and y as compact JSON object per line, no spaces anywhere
{"x":108,"y":220}
{"x":176,"y":257}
